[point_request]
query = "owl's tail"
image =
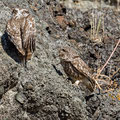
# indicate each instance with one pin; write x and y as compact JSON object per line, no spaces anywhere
{"x":89,"y":83}
{"x":29,"y":48}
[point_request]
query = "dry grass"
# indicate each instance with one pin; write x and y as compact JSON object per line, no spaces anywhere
{"x":118,"y":5}
{"x":97,"y":24}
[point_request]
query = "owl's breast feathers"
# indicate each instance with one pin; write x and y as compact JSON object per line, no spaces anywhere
{"x":70,"y":70}
{"x":14,"y":34}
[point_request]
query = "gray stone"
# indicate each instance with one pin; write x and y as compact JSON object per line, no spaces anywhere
{"x":20,"y":97}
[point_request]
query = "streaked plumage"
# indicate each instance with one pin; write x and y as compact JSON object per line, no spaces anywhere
{"x":76,"y":68}
{"x":21,"y":32}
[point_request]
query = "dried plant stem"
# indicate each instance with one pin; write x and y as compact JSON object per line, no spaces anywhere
{"x":118,"y":4}
{"x":98,"y":26}
{"x":106,"y":64}
{"x":115,"y":72}
{"x":109,"y":58}
{"x":103,"y":25}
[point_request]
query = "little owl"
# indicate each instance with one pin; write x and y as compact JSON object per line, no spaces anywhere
{"x":76,"y":68}
{"x":21,"y":32}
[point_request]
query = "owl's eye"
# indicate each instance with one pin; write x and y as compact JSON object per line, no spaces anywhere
{"x":63,"y":50}
{"x":14,"y":11}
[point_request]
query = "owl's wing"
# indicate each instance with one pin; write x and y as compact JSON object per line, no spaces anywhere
{"x":79,"y":64}
{"x":29,"y":34}
{"x":83,"y":68}
{"x":14,"y":35}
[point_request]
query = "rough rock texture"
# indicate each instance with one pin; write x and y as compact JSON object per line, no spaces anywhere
{"x":84,"y":5}
{"x":42,"y":91}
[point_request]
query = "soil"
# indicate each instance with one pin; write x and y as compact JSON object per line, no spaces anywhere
{"x":42,"y":91}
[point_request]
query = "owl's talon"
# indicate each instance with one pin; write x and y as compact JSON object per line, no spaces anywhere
{"x":77,"y":82}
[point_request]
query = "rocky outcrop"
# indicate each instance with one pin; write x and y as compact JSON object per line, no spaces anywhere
{"x":43,"y":90}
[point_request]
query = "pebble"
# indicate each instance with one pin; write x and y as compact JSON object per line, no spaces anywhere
{"x":20,"y":97}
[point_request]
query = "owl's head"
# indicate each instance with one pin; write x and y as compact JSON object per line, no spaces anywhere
{"x":67,"y":54}
{"x":20,"y":13}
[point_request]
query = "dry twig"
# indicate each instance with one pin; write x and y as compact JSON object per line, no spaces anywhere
{"x":99,"y":72}
{"x":109,"y":58}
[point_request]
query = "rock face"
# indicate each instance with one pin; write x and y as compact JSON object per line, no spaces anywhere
{"x":42,"y":91}
{"x":84,"y":5}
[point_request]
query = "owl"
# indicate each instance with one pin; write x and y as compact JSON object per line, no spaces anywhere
{"x":76,"y":68}
{"x":21,"y":32}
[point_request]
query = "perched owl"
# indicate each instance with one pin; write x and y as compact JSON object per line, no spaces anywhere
{"x":21,"y":32}
{"x":76,"y":68}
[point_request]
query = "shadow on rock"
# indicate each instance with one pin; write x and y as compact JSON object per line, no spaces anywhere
{"x":10,"y":48}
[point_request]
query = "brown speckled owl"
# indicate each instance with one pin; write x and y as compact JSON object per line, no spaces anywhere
{"x":21,"y":32}
{"x":76,"y":68}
